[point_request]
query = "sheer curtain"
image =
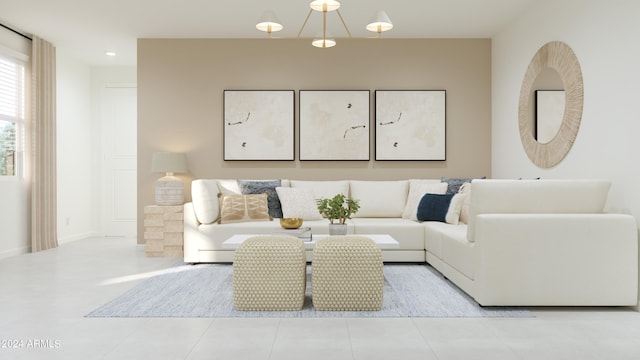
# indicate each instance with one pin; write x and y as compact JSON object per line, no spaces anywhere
{"x":44,"y":231}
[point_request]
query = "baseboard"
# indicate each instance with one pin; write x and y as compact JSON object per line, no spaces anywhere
{"x":27,"y":249}
{"x":73,"y":238}
{"x":15,"y":252}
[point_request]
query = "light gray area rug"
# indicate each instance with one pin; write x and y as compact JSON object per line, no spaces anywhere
{"x":206,"y":290}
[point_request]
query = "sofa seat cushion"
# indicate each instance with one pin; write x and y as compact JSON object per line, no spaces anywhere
{"x":433,"y":231}
{"x":457,"y":251}
{"x":409,"y":234}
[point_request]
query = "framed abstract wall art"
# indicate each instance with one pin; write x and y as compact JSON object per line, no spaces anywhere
{"x":334,"y":125}
{"x":258,"y":125}
{"x":410,"y":124}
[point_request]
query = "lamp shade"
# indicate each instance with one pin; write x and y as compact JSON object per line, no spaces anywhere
{"x":269,"y":22}
{"x":380,"y":22}
{"x":168,"y":162}
{"x":326,"y":41}
{"x":325,"y":5}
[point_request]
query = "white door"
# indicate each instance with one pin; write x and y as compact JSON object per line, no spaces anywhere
{"x":119,"y":146}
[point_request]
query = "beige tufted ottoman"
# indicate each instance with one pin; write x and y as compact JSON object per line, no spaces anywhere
{"x":346,"y":274}
{"x":269,"y":274}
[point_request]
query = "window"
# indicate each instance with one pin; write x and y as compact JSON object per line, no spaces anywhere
{"x":12,"y":114}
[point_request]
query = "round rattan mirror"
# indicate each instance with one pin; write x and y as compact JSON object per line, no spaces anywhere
{"x":559,"y":57}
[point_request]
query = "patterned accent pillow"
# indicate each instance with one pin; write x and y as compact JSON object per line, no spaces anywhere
{"x":243,"y":208}
{"x":248,"y":187}
{"x":298,"y":203}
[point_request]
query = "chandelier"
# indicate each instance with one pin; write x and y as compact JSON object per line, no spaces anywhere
{"x":269,"y":22}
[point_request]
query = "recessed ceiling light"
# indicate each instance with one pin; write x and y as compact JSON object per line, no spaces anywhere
{"x":110,"y":53}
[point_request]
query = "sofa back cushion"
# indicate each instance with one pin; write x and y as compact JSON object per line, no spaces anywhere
{"x":323,"y":189}
{"x":536,"y":196}
{"x":380,"y":198}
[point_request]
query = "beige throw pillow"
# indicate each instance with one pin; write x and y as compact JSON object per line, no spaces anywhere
{"x":244,"y":208}
{"x":464,"y":211}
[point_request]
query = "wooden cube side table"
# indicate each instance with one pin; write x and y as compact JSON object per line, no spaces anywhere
{"x":163,"y":230}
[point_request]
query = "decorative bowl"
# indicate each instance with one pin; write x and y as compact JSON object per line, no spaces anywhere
{"x":291,"y":223}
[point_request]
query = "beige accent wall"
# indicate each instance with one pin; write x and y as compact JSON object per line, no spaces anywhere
{"x":180,"y":102}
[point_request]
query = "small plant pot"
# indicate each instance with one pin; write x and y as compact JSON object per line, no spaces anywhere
{"x":337,"y":229}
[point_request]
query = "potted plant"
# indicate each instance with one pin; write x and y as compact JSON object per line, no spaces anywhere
{"x":338,"y":209}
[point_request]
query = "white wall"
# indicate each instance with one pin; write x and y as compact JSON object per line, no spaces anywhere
{"x":79,"y":88}
{"x":14,"y":215}
{"x":604,"y":36}
{"x":75,"y":182}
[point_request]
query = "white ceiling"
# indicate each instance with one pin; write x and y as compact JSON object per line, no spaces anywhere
{"x":87,"y":28}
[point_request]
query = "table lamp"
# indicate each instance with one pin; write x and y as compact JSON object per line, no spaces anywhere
{"x":169,"y":189}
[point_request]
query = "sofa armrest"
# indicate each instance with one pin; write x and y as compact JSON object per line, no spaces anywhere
{"x":191,"y":234}
{"x":556,"y":259}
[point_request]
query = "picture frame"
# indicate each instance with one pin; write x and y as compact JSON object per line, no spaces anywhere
{"x":549,"y":114}
{"x":334,"y":124}
{"x":410,"y":125}
{"x":259,"y":125}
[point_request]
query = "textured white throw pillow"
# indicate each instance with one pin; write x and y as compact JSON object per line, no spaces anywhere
{"x":416,"y":192}
{"x":298,"y":203}
{"x":455,"y":206}
{"x":204,"y":195}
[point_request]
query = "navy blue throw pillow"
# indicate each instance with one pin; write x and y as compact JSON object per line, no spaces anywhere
{"x":434,"y":207}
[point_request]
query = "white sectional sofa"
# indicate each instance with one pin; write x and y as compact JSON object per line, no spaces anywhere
{"x":527,"y":242}
{"x":381,"y":207}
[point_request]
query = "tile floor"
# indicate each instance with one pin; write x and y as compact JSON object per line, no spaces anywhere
{"x":44,"y":297}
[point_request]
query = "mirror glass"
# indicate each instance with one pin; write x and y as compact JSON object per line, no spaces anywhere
{"x":547,"y":103}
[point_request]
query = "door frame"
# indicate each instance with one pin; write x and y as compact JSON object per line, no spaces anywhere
{"x":105,"y":148}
